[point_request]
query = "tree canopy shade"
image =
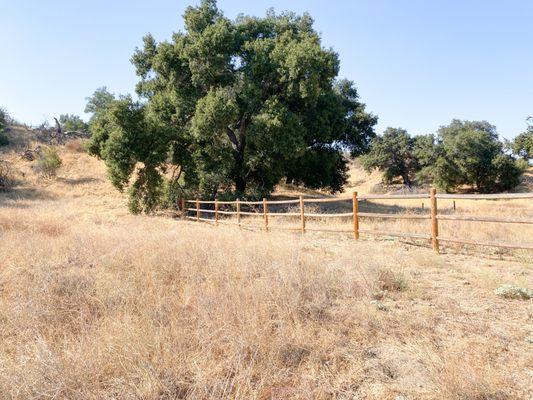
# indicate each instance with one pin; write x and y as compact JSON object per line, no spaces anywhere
{"x":235,"y":107}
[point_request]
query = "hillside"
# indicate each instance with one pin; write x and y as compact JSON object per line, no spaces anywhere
{"x":96,"y":303}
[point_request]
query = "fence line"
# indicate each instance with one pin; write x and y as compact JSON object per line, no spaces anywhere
{"x":434,"y":216}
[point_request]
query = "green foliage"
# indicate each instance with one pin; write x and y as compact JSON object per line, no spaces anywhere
{"x":72,"y":123}
{"x":471,"y":154}
{"x":393,"y":154}
{"x":49,"y":162}
{"x":522,"y":145}
{"x":237,"y":105}
{"x":4,"y":119}
{"x":4,"y":140}
{"x":463,"y":153}
{"x":99,"y":101}
{"x":508,"y":172}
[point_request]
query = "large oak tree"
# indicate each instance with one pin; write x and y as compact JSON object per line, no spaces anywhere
{"x":234,"y":106}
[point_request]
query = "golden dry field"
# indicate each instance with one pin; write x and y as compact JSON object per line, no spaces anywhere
{"x":98,"y":304}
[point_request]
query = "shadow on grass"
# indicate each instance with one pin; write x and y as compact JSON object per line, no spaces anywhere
{"x":77,"y":181}
{"x":12,"y":196}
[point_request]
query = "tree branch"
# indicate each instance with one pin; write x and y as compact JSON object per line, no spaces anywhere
{"x":232,"y":137}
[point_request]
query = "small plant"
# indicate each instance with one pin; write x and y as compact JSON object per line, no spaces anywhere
{"x":391,"y":281}
{"x":49,"y":162}
{"x":6,"y":175}
{"x":4,"y":141}
{"x":514,"y":292}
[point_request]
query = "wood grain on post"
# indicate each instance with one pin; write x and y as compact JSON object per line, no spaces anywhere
{"x":197,"y":210}
{"x":265,"y":213}
{"x":216,"y":212}
{"x":434,"y":221}
{"x":355,"y":206}
{"x":302,"y":213}
{"x":239,"y":213}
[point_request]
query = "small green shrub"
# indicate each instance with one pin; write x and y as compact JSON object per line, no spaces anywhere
{"x":6,"y":175}
{"x":49,"y":162}
{"x":4,"y":141}
{"x":514,"y":292}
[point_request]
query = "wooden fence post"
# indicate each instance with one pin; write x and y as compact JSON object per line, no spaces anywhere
{"x":183,"y":205}
{"x":434,"y":222}
{"x":216,"y":212}
{"x":302,"y":213}
{"x":265,"y":213}
{"x":355,"y":206}
{"x":239,"y":213}
{"x":197,"y":210}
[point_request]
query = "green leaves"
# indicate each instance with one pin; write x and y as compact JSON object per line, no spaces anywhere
{"x":237,"y":106}
{"x":393,"y":154}
{"x":464,"y":153}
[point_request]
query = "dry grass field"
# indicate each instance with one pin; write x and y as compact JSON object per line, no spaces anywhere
{"x":98,"y":304}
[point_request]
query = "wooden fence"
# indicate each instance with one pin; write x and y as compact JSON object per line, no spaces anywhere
{"x":355,"y":214}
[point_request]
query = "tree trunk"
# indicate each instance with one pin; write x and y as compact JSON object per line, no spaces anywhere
{"x":238,"y":155}
{"x":240,"y":184}
{"x":406,"y":180}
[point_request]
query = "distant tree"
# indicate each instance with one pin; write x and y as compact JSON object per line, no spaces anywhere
{"x":72,"y":123}
{"x":392,"y":153}
{"x":426,"y":152}
{"x":235,"y":106}
{"x":522,"y":145}
{"x":463,"y":153}
{"x":471,"y":154}
{"x":99,"y":101}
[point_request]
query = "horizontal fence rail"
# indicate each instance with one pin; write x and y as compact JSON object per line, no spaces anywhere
{"x":355,"y":215}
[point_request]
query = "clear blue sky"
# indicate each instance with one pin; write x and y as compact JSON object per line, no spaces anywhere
{"x":417,"y":63}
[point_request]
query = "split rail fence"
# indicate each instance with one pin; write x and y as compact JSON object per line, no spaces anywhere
{"x":355,"y":214}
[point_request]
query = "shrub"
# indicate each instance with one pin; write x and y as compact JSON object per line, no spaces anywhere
{"x":514,"y":292}
{"x":4,"y":141}
{"x":49,"y":162}
{"x":73,"y":123}
{"x":508,"y":171}
{"x":6,"y":175}
{"x":4,"y":118}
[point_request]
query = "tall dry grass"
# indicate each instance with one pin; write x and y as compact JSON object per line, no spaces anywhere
{"x":96,"y":304}
{"x":148,"y":308}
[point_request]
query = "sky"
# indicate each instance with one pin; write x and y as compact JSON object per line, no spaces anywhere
{"x":417,"y":64}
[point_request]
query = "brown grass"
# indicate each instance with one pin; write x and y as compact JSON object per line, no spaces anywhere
{"x":96,"y":303}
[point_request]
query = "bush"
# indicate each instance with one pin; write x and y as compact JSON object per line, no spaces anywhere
{"x":6,"y":175}
{"x":4,"y":141}
{"x":73,"y":123}
{"x":4,"y":119}
{"x":49,"y":162}
{"x":508,"y":171}
{"x":514,"y":292}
